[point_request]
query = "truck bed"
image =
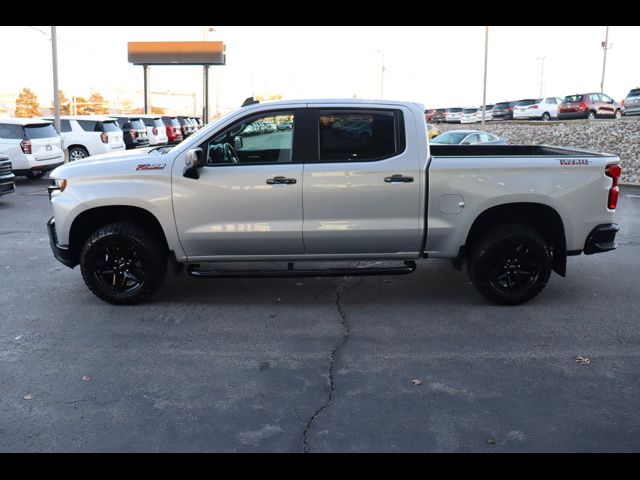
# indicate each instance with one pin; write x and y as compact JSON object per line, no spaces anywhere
{"x":509,"y":151}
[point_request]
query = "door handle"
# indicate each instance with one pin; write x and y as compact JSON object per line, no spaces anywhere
{"x":398,"y":179}
{"x":281,"y":181}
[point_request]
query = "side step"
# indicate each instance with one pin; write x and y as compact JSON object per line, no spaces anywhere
{"x":409,"y":267}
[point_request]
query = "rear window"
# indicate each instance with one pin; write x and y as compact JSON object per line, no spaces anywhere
{"x":634,"y":93}
{"x":501,"y":105}
{"x":454,"y":110}
{"x":157,"y":122}
{"x":170,"y":121}
{"x":470,"y":110}
{"x":40,"y":131}
{"x":137,"y":124}
{"x":359,"y":136}
{"x":573,"y":98}
{"x":88,"y":125}
{"x":528,"y":101}
{"x":110,"y":126}
{"x":11,"y":131}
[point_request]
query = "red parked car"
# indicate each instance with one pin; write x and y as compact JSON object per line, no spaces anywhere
{"x":174,"y":132}
{"x":428,"y":114}
{"x":589,"y":105}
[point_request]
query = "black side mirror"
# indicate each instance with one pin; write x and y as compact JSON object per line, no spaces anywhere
{"x":193,"y":160}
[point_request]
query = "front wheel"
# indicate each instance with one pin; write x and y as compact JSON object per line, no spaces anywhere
{"x":510,"y":264}
{"x":122,"y":263}
{"x":546,"y":117}
{"x":591,"y":115}
{"x":618,"y":115}
{"x":77,"y":153}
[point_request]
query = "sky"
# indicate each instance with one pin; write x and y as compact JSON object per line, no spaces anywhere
{"x":438,"y":66}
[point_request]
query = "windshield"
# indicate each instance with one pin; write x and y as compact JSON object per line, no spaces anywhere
{"x":634,"y":93}
{"x":470,"y":110}
{"x":44,"y":130}
{"x":573,"y":98}
{"x":450,"y":138}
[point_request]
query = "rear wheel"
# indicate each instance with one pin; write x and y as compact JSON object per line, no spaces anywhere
{"x":122,"y":263}
{"x":618,"y":114}
{"x":510,"y":264}
{"x":591,"y":115}
{"x":76,"y":153}
{"x":546,"y":117}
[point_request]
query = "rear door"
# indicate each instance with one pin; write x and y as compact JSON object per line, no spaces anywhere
{"x":362,"y":182}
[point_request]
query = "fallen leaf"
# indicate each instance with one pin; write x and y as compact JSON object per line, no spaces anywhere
{"x":583,"y":360}
{"x":491,"y":441}
{"x":86,"y":378}
{"x":415,"y":381}
{"x":28,"y":397}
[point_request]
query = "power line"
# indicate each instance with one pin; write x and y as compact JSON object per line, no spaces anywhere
{"x":62,"y":40}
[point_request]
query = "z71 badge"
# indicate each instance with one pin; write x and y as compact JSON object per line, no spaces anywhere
{"x":574,"y":161}
{"x":150,"y":166}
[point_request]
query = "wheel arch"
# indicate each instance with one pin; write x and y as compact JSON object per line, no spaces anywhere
{"x":91,"y":219}
{"x":542,"y":218}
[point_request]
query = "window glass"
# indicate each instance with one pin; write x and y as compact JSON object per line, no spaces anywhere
{"x":88,"y":125}
{"x":12,"y":131}
{"x":485,"y":137}
{"x":65,"y":126}
{"x":110,"y":127}
{"x":253,"y":140}
{"x":471,"y":139}
{"x":450,"y":138}
{"x":634,"y":93}
{"x":357,"y":136}
{"x":41,"y":130}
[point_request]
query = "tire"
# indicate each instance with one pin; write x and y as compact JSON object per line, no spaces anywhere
{"x":546,"y":117}
{"x":33,"y":174}
{"x":591,"y":115}
{"x":499,"y":259}
{"x":77,"y":153}
{"x":618,"y":115}
{"x":128,"y":254}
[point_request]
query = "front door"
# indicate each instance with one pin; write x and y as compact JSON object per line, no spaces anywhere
{"x":363,"y":192}
{"x":248,"y":199}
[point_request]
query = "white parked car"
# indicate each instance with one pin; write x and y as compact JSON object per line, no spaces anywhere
{"x":544,"y":108}
{"x":470,"y":115}
{"x":33,"y":146}
{"x":487,"y":113}
{"x":156,"y":129}
{"x":87,"y":135}
{"x":452,"y":115}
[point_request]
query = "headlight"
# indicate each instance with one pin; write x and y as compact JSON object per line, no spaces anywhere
{"x":57,"y":184}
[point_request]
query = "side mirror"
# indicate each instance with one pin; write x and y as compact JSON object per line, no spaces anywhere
{"x":194,"y":159}
{"x":238,"y":143}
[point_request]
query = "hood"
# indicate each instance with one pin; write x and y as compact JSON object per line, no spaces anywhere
{"x":109,"y":164}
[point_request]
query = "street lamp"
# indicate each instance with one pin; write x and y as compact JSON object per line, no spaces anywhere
{"x":381,"y":74}
{"x":484,"y":85}
{"x":542,"y":59}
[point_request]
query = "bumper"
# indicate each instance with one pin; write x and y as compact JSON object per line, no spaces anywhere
{"x":632,"y":111}
{"x":39,"y":168}
{"x":7,"y":184}
{"x":62,"y":254}
{"x":569,"y":115}
{"x":601,"y":239}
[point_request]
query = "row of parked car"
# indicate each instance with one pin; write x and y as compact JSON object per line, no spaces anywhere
{"x":583,"y":105}
{"x":34,"y":147}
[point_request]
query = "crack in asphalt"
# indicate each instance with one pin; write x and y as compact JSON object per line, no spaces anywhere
{"x":346,"y":332}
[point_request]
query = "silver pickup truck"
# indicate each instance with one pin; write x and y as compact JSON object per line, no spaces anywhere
{"x":330,"y":187}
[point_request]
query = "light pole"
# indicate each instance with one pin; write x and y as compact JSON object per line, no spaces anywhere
{"x":381,"y":74}
{"x":542,"y":59}
{"x":605,"y":46}
{"x":484,"y":86}
{"x":54,"y":58}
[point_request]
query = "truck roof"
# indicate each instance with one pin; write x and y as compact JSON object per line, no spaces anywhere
{"x":23,"y":121}
{"x":346,"y":101}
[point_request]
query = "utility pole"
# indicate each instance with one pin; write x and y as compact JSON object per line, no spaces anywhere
{"x":484,"y":86}
{"x":542,"y":59}
{"x":56,"y":98}
{"x":382,"y":69}
{"x":605,"y":47}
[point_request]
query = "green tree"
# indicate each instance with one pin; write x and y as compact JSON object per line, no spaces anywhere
{"x":65,"y":104}
{"x":98,"y":104}
{"x":27,"y":104}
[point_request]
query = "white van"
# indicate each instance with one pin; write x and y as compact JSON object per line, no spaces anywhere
{"x":87,"y":135}
{"x":33,"y":145}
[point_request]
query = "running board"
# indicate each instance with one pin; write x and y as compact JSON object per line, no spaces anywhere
{"x":409,"y":267}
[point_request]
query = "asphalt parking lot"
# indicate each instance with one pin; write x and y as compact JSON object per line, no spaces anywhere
{"x":316,"y":364}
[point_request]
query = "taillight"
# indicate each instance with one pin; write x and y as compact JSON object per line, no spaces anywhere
{"x":104,"y":136}
{"x":613,"y":171}
{"x":533,"y":106}
{"x":622,"y":103}
{"x":154,"y":130}
{"x":25,"y":145}
{"x":583,"y":106}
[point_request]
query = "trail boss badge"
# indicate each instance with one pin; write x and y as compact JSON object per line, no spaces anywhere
{"x":150,"y":166}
